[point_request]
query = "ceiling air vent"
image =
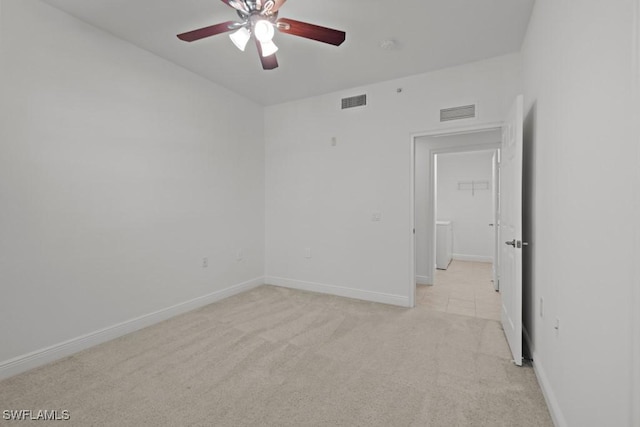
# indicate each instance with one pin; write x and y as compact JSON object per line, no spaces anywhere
{"x":354,"y":101}
{"x":458,"y":113}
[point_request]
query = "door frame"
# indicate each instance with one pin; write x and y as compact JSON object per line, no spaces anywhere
{"x":433,"y":150}
{"x":635,"y":287}
{"x":495,"y":179}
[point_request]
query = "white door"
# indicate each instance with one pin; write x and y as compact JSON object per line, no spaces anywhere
{"x":511,"y":228}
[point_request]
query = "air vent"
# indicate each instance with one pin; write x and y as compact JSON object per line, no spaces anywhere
{"x":354,"y":101}
{"x":458,"y":113}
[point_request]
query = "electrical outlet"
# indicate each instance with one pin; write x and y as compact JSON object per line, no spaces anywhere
{"x":205,"y":262}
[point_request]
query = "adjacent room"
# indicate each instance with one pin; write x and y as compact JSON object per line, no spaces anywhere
{"x":456,"y":185}
{"x":466,"y":277}
{"x":227,"y":213}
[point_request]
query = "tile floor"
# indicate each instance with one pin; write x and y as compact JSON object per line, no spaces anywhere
{"x":464,"y":288}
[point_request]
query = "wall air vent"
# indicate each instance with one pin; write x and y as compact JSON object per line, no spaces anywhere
{"x":354,"y":101}
{"x":458,"y":113}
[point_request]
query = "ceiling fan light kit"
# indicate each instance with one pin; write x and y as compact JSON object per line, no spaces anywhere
{"x":260,"y":20}
{"x":263,"y":30}
{"x":240,"y":38}
{"x":268,"y":48}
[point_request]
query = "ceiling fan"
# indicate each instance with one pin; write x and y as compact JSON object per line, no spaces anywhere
{"x":260,"y":20}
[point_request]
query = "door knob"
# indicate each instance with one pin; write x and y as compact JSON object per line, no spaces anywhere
{"x":516,"y":243}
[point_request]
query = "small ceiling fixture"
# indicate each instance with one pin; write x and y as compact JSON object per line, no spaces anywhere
{"x":260,"y":20}
{"x":388,"y":44}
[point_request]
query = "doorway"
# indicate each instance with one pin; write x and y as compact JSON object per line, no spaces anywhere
{"x":509,"y":257}
{"x":426,"y":147}
{"x":466,"y":205}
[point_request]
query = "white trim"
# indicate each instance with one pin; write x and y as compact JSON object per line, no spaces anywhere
{"x":340,"y":291}
{"x":424,"y":280}
{"x":547,"y":392}
{"x":635,"y":286}
{"x":436,"y":132}
{"x":457,"y":130}
{"x":473,"y":258}
{"x":412,"y":218}
{"x":552,"y":402}
{"x":49,"y":354}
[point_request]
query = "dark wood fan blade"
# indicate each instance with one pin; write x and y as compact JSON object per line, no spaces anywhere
{"x":310,"y":31}
{"x":269,"y":62}
{"x":206,"y":32}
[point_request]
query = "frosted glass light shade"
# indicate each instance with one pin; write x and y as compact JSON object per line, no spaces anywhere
{"x":263,"y":30}
{"x":268,"y":48}
{"x":240,"y":38}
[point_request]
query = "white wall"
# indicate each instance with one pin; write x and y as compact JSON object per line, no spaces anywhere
{"x":471,"y":214}
{"x":581,"y":165}
{"x":322,"y":197}
{"x":119,"y":172}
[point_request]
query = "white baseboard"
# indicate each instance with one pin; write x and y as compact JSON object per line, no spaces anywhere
{"x":49,"y":354}
{"x":475,"y":258}
{"x":549,"y":396}
{"x":424,"y":280}
{"x":339,"y":291}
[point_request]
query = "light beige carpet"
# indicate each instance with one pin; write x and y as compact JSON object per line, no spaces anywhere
{"x":279,"y":357}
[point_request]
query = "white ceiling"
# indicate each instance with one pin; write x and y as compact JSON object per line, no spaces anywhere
{"x":429,"y":35}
